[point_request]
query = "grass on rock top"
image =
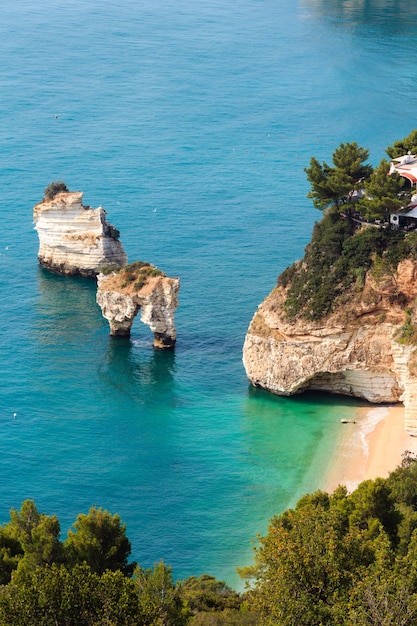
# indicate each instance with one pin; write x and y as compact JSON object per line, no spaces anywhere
{"x":135,"y":274}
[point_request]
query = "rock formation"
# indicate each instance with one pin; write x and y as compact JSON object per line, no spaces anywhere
{"x":139,"y":286}
{"x":360,"y":349}
{"x":75,"y":239}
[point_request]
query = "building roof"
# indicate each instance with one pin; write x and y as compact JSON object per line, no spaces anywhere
{"x":412,"y":213}
{"x":409,"y":211}
{"x":405,"y":166}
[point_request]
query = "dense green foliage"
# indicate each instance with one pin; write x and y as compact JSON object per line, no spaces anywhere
{"x":86,"y":580}
{"x":99,"y":539}
{"x":332,"y":185}
{"x":342,"y":559}
{"x":342,"y":249}
{"x":345,"y":559}
{"x":403,"y":146}
{"x":336,"y":260}
{"x":54,"y":188}
{"x":383,"y":194}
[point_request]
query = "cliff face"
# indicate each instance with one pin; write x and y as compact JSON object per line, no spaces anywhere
{"x":358,"y":350}
{"x":121,"y":295}
{"x":74,"y":239}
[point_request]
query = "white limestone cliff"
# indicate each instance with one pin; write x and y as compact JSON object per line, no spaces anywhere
{"x":75,"y":239}
{"x":355,"y":351}
{"x":121,"y":295}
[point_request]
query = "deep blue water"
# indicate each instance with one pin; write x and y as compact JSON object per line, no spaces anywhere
{"x":191,"y":123}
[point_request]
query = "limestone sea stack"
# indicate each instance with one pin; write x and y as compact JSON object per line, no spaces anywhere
{"x":75,"y":239}
{"x":139,"y":287}
{"x":364,"y":347}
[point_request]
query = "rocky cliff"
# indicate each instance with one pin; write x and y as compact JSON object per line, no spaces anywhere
{"x":366,"y":346}
{"x":75,"y":239}
{"x":140,"y":287}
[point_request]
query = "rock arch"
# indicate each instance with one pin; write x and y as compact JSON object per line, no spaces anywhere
{"x":156,"y":299}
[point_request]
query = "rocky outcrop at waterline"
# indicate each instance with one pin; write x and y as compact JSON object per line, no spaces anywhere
{"x":139,"y":287}
{"x":75,"y":239}
{"x":364,"y":347}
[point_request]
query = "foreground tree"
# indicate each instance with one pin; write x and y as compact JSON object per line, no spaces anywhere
{"x":38,"y":537}
{"x":206,"y":593}
{"x":342,"y":559}
{"x":99,"y":539}
{"x":318,"y":557}
{"x":11,"y":552}
{"x":54,"y":595}
{"x":386,"y":594}
{"x":160,"y":598}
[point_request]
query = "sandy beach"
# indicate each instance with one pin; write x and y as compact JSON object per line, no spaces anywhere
{"x":370,"y":447}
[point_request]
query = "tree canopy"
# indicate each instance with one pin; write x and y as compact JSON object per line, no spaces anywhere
{"x":342,"y":558}
{"x":345,"y":559}
{"x":331,"y":185}
{"x":403,"y":146}
{"x":100,"y":540}
{"x":383,"y":193}
{"x":379,"y":192}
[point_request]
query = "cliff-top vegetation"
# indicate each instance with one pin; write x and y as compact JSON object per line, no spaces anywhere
{"x":354,"y":234}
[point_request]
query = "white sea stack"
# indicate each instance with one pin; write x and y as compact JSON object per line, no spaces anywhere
{"x":75,"y":239}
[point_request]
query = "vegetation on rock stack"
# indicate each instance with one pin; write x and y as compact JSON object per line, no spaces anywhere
{"x":136,"y":273}
{"x":54,"y":189}
{"x":347,"y":243}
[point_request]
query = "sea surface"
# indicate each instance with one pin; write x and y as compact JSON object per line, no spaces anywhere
{"x":191,"y":123}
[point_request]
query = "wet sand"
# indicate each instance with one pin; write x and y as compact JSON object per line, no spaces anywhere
{"x":371,"y":447}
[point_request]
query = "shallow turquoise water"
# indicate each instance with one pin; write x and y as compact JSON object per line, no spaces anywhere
{"x":207,"y":113}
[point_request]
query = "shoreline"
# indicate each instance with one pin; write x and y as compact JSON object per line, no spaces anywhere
{"x":369,"y":448}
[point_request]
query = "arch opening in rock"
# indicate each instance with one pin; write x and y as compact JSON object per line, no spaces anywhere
{"x":123,"y":294}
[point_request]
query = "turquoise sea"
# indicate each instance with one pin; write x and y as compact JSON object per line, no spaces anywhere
{"x":191,"y":122}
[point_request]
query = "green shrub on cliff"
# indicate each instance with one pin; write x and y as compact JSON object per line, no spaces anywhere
{"x":330,"y":185}
{"x":335,"y":261}
{"x":403,"y":146}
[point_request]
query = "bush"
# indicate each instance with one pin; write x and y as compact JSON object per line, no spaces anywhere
{"x":138,"y":272}
{"x":337,"y":259}
{"x":55,"y":188}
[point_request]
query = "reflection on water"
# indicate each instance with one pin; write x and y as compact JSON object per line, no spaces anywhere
{"x":395,"y":16}
{"x":66,"y":308}
{"x":138,"y":371}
